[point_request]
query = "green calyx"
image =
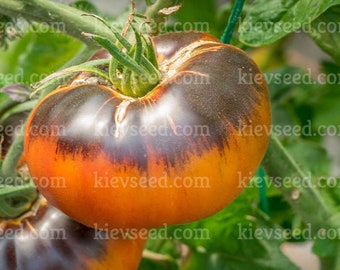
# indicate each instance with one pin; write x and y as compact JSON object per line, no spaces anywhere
{"x":15,"y":200}
{"x":133,"y":67}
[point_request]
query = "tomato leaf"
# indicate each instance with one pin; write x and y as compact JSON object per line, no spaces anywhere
{"x":234,"y":238}
{"x":218,"y":261}
{"x":197,"y":15}
{"x":35,"y":56}
{"x":325,"y":247}
{"x":327,"y":109}
{"x":267,"y":22}
{"x":326,"y":244}
{"x":325,"y":32}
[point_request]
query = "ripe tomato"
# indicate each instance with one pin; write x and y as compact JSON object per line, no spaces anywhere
{"x":51,"y":240}
{"x":175,"y":155}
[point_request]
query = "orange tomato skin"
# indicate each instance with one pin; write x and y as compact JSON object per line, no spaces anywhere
{"x":181,"y":153}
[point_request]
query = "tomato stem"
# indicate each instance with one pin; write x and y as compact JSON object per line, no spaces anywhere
{"x":130,"y":71}
{"x":148,"y":2}
{"x":153,"y":13}
{"x":89,"y":66}
{"x":16,"y":200}
{"x":149,"y":65}
{"x":234,"y":16}
{"x":53,"y":13}
{"x":8,"y":168}
{"x":16,"y":195}
{"x":123,"y":58}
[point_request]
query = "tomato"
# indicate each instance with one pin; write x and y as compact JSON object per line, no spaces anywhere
{"x":178,"y":154}
{"x":51,"y":240}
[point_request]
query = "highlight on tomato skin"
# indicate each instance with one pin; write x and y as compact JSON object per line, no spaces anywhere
{"x":51,"y":240}
{"x":126,"y":162}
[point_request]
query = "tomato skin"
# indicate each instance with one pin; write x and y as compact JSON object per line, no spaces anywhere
{"x":96,"y":139}
{"x":51,"y":240}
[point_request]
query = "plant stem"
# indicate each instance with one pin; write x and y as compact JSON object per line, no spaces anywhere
{"x":300,"y":191}
{"x":262,"y":190}
{"x":4,"y":105}
{"x":148,"y":2}
{"x":9,"y":165}
{"x":235,"y":14}
{"x":152,"y":12}
{"x":12,"y":191}
{"x":59,"y":16}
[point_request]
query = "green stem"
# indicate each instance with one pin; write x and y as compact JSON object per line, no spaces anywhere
{"x":300,"y":191}
{"x":16,"y":200}
{"x":59,"y":16}
{"x":123,"y":58}
{"x":6,"y":104}
{"x":150,"y":66}
{"x":9,"y":165}
{"x":16,"y":195}
{"x":137,"y":77}
{"x":148,"y":2}
{"x":18,"y":108}
{"x":262,"y":190}
{"x":152,"y":12}
{"x":235,"y":14}
{"x":84,"y":67}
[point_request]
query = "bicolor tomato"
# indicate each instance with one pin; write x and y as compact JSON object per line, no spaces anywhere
{"x":178,"y":154}
{"x":51,"y":240}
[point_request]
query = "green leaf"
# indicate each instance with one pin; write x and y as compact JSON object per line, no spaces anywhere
{"x":268,"y":21}
{"x":235,"y":238}
{"x":325,"y":31}
{"x":327,"y":109}
{"x":311,"y":157}
{"x":305,"y":105}
{"x":198,"y":15}
{"x":325,"y":247}
{"x":299,"y":190}
{"x":218,"y":261}
{"x":328,"y":251}
{"x":35,"y":56}
{"x":292,"y":95}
